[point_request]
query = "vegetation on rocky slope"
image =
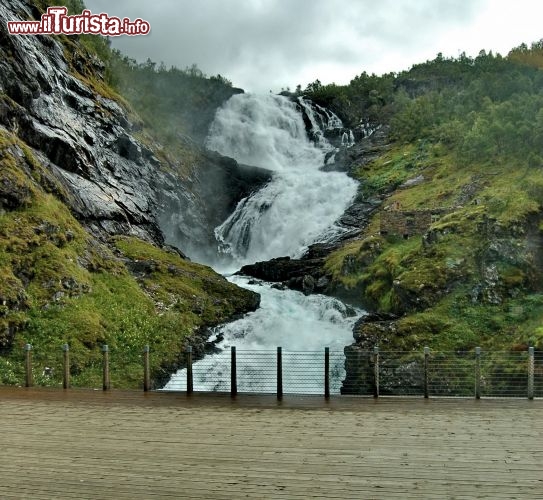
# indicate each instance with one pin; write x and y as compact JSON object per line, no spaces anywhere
{"x":61,"y":285}
{"x":466,"y":144}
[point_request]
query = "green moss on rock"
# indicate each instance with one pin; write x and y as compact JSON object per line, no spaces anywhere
{"x":59,"y":284}
{"x":456,"y":285}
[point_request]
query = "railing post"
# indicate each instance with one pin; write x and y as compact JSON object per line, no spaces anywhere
{"x":531,"y":369}
{"x":326,"y":372}
{"x":146,"y":369}
{"x":477,"y":373}
{"x":279,"y":373}
{"x":29,"y":380}
{"x":376,"y":372}
{"x":426,"y":375}
{"x":190,"y":385}
{"x":66,"y":367}
{"x":233,"y":372}
{"x":105,"y":368}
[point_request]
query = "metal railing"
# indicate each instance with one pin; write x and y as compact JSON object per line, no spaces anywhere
{"x":376,"y":373}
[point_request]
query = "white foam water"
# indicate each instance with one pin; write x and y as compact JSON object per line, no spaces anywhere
{"x":296,"y":208}
{"x":300,"y":203}
{"x":304,"y":325}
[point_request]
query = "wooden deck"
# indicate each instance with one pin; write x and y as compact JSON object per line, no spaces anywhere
{"x":129,"y":445}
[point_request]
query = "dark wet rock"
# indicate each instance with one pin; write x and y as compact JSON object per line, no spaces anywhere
{"x":82,"y":138}
{"x":308,"y":284}
{"x":283,"y":269}
{"x":174,"y":251}
{"x":359,"y":368}
{"x":322,"y":283}
{"x":369,"y":145}
{"x":114,"y":183}
{"x":141,"y":268}
{"x":188,"y":216}
{"x":375,"y":330}
{"x":359,"y":213}
{"x":400,"y":373}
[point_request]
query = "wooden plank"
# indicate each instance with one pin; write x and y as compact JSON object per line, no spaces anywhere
{"x":85,"y":444}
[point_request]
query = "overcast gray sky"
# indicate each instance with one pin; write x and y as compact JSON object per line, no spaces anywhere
{"x":264,"y":45}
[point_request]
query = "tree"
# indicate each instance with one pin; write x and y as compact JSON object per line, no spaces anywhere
{"x":313,"y":87}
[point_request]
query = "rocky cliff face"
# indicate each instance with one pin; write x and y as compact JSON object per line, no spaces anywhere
{"x":85,"y":202}
{"x":84,"y":138}
{"x":188,"y":216}
{"x":115,"y":183}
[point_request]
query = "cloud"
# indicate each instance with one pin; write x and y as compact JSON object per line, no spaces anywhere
{"x":269,"y":44}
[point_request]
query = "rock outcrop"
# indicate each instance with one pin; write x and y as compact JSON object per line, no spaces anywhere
{"x":188,"y":216}
{"x":305,"y":275}
{"x":113,"y":181}
{"x":83,"y":138}
{"x":77,"y":172}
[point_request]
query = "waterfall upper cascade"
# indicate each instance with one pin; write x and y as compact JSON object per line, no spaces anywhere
{"x":321,"y":120}
{"x":302,"y":202}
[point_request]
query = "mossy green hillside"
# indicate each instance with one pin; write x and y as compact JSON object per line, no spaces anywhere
{"x":60,"y":285}
{"x":194,"y":290}
{"x":474,"y":276}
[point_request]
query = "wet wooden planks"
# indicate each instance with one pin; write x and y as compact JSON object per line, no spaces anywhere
{"x":89,"y":444}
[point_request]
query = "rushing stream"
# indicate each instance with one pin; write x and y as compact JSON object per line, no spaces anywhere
{"x":299,"y":206}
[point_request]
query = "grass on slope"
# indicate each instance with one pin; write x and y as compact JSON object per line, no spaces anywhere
{"x":474,"y":277}
{"x":60,"y":285}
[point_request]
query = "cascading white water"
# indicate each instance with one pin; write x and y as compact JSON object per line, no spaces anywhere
{"x":296,"y":208}
{"x":288,"y":319}
{"x":347,"y":139}
{"x":320,"y":118}
{"x":301,"y":202}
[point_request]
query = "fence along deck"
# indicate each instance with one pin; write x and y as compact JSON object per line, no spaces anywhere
{"x":374,"y":373}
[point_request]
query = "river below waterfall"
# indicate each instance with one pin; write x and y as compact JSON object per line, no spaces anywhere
{"x":298,"y":207}
{"x":300,"y":324}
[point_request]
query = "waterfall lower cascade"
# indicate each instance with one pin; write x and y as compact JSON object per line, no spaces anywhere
{"x":298,"y":323}
{"x":298,"y":207}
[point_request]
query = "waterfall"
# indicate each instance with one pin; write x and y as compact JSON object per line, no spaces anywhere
{"x":286,"y":318}
{"x":347,"y":139}
{"x":321,"y":120}
{"x":299,"y":206}
{"x":302,"y":202}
